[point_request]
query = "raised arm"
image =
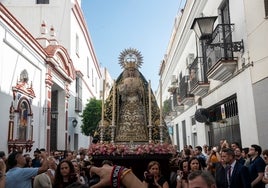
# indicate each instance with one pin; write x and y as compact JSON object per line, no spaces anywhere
{"x":44,"y":165}
{"x":122,"y":176}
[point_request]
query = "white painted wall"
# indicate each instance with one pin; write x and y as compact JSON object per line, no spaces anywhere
{"x":256,"y":32}
{"x":17,"y":55}
{"x":249,"y":26}
{"x":64,"y":16}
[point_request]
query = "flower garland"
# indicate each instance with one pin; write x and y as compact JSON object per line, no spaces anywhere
{"x":126,"y":149}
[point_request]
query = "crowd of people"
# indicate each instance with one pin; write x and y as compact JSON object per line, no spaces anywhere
{"x":60,"y":169}
{"x":223,"y":166}
{"x":229,"y":164}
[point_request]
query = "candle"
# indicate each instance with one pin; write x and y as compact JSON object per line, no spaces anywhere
{"x":113,"y":113}
{"x":150,"y":103}
{"x":160,"y":85}
{"x":102,"y":107}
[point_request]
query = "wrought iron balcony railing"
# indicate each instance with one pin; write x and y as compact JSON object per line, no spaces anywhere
{"x":197,"y":71}
{"x":184,"y":89}
{"x":221,"y":46}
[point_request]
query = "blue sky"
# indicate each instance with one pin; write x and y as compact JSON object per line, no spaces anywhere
{"x":145,"y":25}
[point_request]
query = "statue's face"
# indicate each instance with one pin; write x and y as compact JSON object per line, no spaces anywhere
{"x":130,"y":58}
{"x":131,"y":72}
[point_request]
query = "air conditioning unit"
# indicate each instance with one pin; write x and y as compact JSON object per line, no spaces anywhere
{"x":174,"y":80}
{"x":189,"y":59}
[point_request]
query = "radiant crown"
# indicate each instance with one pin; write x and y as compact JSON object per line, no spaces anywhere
{"x":130,"y":58}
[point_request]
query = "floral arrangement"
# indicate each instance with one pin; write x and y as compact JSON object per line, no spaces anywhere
{"x":130,"y":149}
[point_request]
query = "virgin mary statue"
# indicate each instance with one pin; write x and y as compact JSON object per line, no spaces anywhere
{"x":131,"y":111}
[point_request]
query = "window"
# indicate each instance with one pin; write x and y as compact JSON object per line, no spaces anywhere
{"x":266,"y":8}
{"x":88,"y":68}
{"x":224,"y":12}
{"x":174,"y":100}
{"x":92,"y":78}
{"x":194,"y":139}
{"x":180,"y":76}
{"x":225,"y":19}
{"x":178,"y":135}
{"x":42,"y":1}
{"x":193,"y":120}
{"x":184,"y":136}
{"x":54,"y":120}
{"x":96,"y":89}
{"x":78,"y":98}
{"x":77,"y":45}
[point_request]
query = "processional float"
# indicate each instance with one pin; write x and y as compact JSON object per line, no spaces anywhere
{"x":131,"y":125}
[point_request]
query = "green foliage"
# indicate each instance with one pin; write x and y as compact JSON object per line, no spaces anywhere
{"x":167,"y":107}
{"x":91,"y":116}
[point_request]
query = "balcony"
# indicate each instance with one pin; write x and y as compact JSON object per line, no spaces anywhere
{"x":222,"y":70}
{"x":188,"y":100}
{"x":185,"y":96}
{"x":199,"y":84}
{"x":221,"y":64}
{"x":172,"y":89}
{"x":179,"y":108}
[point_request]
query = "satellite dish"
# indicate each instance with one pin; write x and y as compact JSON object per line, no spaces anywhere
{"x":202,"y":115}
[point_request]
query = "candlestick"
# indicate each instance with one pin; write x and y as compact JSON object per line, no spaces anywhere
{"x":160,"y":124}
{"x":160,"y":85}
{"x":102,"y":111}
{"x":150,"y":103}
{"x":161,"y":134}
{"x":102,"y":105}
{"x":113,"y":113}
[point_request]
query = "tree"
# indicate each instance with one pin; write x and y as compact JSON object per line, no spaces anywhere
{"x":167,"y":108}
{"x":91,"y":116}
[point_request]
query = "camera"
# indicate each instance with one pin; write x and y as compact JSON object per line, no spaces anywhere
{"x":149,"y":178}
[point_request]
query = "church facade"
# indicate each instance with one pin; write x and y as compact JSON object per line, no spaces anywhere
{"x":44,"y":85}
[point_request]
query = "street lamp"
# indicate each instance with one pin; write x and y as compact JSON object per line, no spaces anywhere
{"x":74,"y":122}
{"x":203,"y":26}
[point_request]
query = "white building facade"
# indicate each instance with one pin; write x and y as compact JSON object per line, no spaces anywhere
{"x":108,"y":81}
{"x":222,"y":73}
{"x":64,"y":75}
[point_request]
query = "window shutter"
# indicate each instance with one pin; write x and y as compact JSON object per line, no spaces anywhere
{"x":266,"y":8}
{"x":42,"y":1}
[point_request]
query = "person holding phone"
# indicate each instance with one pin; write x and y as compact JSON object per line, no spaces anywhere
{"x":18,"y":176}
{"x":153,"y":176}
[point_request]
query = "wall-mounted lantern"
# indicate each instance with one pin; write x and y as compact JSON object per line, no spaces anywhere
{"x":203,"y":27}
{"x":74,"y":122}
